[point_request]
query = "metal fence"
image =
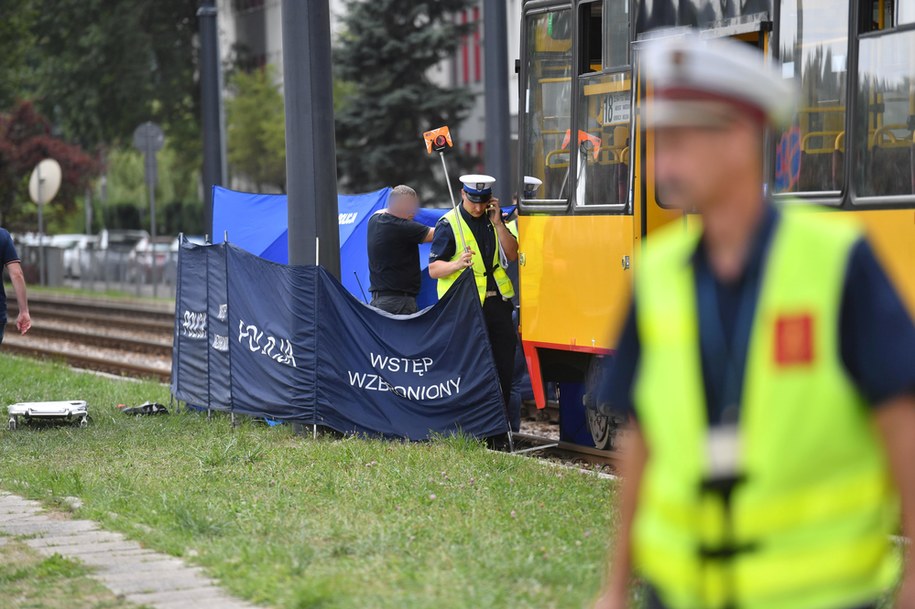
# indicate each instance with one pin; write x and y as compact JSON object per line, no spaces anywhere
{"x":142,"y":273}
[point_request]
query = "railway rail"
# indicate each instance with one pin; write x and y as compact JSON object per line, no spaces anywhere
{"x":77,"y":326}
{"x":89,"y":362}
{"x":105,"y":341}
{"x":101,"y":313}
{"x":565,"y":451}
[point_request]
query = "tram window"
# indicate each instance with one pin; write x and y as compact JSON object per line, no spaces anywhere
{"x":616,"y":43}
{"x":604,"y":110}
{"x":814,"y":46}
{"x":875,"y":15}
{"x":547,"y":103}
{"x":905,"y":11}
{"x":601,"y":143}
{"x":590,"y":44}
{"x":886,"y":113}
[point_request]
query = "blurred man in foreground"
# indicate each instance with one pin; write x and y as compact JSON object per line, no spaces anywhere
{"x":393,"y":240}
{"x":766,"y":368}
{"x":10,"y":259}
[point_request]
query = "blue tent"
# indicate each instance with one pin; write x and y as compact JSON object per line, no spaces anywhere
{"x":258,"y":224}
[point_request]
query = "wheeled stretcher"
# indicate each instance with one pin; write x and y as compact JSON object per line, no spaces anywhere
{"x":74,"y":413}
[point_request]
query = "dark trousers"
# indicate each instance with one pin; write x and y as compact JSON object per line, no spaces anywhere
{"x":400,"y":304}
{"x":2,"y":330}
{"x":502,"y":337}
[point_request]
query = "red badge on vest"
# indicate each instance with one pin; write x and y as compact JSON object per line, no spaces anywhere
{"x":794,"y":340}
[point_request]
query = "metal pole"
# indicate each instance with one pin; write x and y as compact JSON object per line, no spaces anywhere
{"x":210,"y":106}
{"x":498,"y":134}
{"x":151,"y":186}
{"x":88,"y":204}
{"x":453,"y":202}
{"x":41,"y":277}
{"x":311,"y":167}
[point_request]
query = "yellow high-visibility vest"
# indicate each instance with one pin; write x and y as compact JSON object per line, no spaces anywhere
{"x":503,"y":283}
{"x":809,"y":523}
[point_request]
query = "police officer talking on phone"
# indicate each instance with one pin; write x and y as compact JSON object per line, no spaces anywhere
{"x":491,"y":246}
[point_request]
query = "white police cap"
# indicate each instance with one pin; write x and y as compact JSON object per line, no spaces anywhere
{"x":478,"y":186}
{"x":699,"y":82}
{"x":531,"y":186}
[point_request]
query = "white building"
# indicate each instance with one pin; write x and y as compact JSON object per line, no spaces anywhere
{"x":254,"y":27}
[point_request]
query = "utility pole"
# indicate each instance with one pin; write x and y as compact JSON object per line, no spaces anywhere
{"x":498,"y":133}
{"x":311,"y":158}
{"x":211,"y":120}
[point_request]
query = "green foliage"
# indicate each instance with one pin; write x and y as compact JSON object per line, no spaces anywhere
{"x":16,"y":19}
{"x":102,"y":67}
{"x":26,"y":139}
{"x":291,"y":522}
{"x":385,"y":51}
{"x":178,"y":208}
{"x":257,"y":129}
{"x":97,"y":69}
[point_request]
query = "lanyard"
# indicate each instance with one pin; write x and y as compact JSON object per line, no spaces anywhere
{"x":720,"y":353}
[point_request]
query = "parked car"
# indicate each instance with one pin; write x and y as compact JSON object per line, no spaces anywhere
{"x":74,"y":248}
{"x":121,"y":240}
{"x":148,"y":259}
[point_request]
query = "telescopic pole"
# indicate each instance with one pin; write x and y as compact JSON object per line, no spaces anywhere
{"x":454,"y":206}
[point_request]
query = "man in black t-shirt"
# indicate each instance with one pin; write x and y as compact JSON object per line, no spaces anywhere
{"x":393,"y":238}
{"x":9,"y":259}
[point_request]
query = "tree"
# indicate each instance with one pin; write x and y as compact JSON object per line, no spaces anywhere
{"x":15,"y":41}
{"x":257,"y":129}
{"x":99,"y":68}
{"x":385,"y":51}
{"x":25,"y":139}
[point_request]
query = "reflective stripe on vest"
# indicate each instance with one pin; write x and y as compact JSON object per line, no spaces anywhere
{"x":810,"y":521}
{"x":503,"y":283}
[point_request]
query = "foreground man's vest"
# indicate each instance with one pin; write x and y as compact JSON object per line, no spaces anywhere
{"x":503,"y":283}
{"x":813,"y":509}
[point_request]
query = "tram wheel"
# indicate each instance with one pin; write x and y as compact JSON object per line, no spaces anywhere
{"x":602,"y":429}
{"x":602,"y":426}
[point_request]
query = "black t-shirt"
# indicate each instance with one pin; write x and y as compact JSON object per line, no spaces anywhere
{"x":444,"y":243}
{"x":7,"y":254}
{"x":393,"y":253}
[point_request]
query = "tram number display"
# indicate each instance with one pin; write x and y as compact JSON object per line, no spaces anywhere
{"x":617,"y":107}
{"x":277,"y":349}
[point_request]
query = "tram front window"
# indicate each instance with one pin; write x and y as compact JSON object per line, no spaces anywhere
{"x":886,"y":113}
{"x":814,"y":43}
{"x":547,"y":103}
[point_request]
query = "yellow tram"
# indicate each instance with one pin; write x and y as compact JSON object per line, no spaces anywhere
{"x":851,"y":147}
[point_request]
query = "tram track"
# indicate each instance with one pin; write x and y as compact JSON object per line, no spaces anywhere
{"x":106,"y":341}
{"x":105,"y":315}
{"x":120,"y":338}
{"x":550,"y":448}
{"x":89,"y":362}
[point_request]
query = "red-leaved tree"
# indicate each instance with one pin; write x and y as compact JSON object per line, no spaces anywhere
{"x":25,"y":139}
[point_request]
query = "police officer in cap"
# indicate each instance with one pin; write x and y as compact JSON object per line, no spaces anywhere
{"x":490,"y":246}
{"x":766,"y":369}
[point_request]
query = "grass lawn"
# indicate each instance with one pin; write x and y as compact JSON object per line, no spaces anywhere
{"x":292,"y":522}
{"x":29,"y":581}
